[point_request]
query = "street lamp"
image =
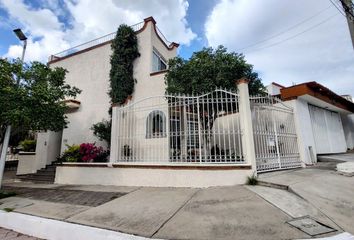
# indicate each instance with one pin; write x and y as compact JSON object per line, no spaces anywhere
{"x":22,"y":37}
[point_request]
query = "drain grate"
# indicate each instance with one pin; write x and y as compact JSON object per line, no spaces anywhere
{"x":311,"y":226}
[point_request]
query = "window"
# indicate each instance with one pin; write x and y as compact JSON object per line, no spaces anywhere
{"x":156,"y":125}
{"x":158,"y":62}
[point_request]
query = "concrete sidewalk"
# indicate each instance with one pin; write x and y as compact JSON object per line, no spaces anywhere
{"x":328,"y":191}
{"x":237,"y":212}
{"x":168,"y":213}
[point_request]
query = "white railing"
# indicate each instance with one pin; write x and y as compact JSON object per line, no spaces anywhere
{"x":92,"y":43}
{"x":274,"y":134}
{"x":180,"y":129}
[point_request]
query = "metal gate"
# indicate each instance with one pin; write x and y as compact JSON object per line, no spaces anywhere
{"x":274,"y":133}
{"x":179,"y":129}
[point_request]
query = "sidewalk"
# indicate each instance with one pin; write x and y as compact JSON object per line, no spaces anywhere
{"x":237,"y":212}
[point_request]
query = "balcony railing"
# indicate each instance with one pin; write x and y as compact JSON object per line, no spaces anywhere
{"x":92,"y":43}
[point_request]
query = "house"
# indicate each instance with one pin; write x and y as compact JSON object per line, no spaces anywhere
{"x":217,"y":138}
{"x":88,"y":68}
{"x":325,"y":120}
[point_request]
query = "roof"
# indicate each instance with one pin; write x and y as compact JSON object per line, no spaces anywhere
{"x":318,"y":91}
{"x":277,"y":84}
{"x":107,"y":39}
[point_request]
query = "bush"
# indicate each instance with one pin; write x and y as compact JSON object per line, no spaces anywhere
{"x":71,"y":154}
{"x":102,"y":130}
{"x":85,"y":152}
{"x":252,"y":180}
{"x":28,"y":145}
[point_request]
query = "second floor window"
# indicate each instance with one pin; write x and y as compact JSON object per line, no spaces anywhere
{"x":158,"y":62}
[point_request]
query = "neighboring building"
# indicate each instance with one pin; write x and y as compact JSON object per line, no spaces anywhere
{"x":325,"y":120}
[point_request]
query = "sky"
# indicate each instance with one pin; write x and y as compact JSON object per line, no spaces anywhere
{"x":288,"y":42}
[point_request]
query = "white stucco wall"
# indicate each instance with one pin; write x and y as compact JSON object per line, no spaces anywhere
{"x":348,"y":126}
{"x":89,"y":71}
{"x":150,"y":177}
{"x":304,"y":130}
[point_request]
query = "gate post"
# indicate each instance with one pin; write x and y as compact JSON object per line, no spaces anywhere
{"x":246,"y":123}
{"x":114,"y":135}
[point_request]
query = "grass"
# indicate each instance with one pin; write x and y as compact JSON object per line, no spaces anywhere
{"x":6,"y":194}
{"x":252,"y":180}
{"x":8,"y":209}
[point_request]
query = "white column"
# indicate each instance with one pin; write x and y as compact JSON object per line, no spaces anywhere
{"x":246,"y":123}
{"x":114,"y":136}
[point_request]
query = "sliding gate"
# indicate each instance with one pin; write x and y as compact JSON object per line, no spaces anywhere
{"x":274,"y":133}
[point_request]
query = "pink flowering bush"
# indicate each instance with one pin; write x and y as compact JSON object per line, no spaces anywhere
{"x":89,"y":152}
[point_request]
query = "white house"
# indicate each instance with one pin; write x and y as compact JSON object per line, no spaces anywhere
{"x":88,"y":68}
{"x":218,"y":138}
{"x":324,"y":120}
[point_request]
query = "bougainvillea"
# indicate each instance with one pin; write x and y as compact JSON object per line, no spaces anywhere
{"x":89,"y":151}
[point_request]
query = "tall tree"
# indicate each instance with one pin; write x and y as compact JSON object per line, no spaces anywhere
{"x":208,"y":69}
{"x":37,"y":102}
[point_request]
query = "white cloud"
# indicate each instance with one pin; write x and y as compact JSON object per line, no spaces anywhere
{"x":323,"y":54}
{"x":89,"y":19}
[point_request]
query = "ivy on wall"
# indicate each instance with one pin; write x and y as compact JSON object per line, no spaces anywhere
{"x":125,"y":51}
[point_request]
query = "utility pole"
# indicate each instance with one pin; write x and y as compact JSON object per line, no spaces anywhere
{"x":348,"y":7}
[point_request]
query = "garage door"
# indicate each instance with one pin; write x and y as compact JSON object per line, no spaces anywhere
{"x":327,"y":130}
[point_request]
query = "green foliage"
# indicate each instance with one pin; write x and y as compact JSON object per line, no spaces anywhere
{"x":8,"y":209}
{"x":37,"y":102}
{"x":28,"y":145}
{"x":252,"y":180}
{"x":6,"y":194}
{"x":208,"y":69}
{"x":125,"y":51}
{"x":71,"y":154}
{"x":102,"y":130}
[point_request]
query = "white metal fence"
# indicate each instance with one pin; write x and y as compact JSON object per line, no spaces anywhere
{"x":275,"y":136}
{"x":205,"y":129}
{"x":180,"y":129}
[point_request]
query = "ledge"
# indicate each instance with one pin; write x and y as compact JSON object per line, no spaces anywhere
{"x":27,"y":153}
{"x":192,"y":166}
{"x":159,"y":72}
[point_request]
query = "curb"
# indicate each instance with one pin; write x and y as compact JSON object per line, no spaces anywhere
{"x":58,"y":230}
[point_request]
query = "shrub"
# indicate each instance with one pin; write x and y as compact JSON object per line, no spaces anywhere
{"x":252,"y":180}
{"x":102,"y":130}
{"x":71,"y":154}
{"x":28,"y":145}
{"x":85,"y":152}
{"x":90,"y":152}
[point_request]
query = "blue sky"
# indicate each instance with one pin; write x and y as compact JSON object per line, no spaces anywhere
{"x":287,"y":41}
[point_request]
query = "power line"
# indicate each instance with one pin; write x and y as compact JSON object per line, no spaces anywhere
{"x":296,"y":35}
{"x":286,"y":30}
{"x":338,"y":8}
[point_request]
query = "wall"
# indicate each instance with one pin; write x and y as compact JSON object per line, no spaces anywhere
{"x":89,"y":71}
{"x":304,"y":130}
{"x":26,"y":163}
{"x":150,"y":177}
{"x":348,"y":126}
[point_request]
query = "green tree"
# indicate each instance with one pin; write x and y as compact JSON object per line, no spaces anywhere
{"x":125,"y":51}
{"x":208,"y":69}
{"x":102,"y":130}
{"x":37,"y":102}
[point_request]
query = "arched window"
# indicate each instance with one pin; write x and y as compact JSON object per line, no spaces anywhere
{"x":156,"y":125}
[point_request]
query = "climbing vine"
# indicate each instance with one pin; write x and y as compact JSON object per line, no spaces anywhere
{"x":125,"y":51}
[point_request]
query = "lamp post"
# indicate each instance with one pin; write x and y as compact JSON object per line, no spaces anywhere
{"x":22,"y":37}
